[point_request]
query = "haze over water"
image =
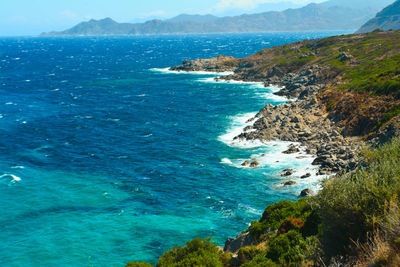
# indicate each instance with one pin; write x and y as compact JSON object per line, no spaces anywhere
{"x":105,"y":159}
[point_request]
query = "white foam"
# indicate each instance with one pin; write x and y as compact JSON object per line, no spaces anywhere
{"x":270,"y":156}
{"x":238,"y":123}
{"x":168,"y":71}
{"x":17,"y":167}
{"x":226,"y":161}
{"x":14,"y":178}
{"x":235,"y":82}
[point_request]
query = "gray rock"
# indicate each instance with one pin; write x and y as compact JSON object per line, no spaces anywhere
{"x":289,"y":183}
{"x":242,"y":240}
{"x":287,"y":172}
{"x":306,"y":193}
{"x":292,"y":149}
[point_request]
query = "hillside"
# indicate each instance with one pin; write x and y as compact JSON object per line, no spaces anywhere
{"x":387,"y":19}
{"x":331,"y":15}
{"x":354,"y":74}
{"x":347,"y":112}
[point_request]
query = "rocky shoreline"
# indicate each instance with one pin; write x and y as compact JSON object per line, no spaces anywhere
{"x":304,"y":120}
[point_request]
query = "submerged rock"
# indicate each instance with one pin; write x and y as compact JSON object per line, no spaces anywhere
{"x":289,"y":183}
{"x":287,"y":172}
{"x":251,"y":163}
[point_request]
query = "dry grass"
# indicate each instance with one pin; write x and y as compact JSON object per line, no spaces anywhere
{"x":383,"y":248}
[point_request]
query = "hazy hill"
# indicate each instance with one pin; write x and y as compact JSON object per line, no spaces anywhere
{"x":330,"y":15}
{"x":388,"y":18}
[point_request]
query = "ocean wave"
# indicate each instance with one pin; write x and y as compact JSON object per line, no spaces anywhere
{"x":271,"y":158}
{"x":238,"y":122}
{"x":236,"y":82}
{"x":13,"y":177}
{"x":168,"y":71}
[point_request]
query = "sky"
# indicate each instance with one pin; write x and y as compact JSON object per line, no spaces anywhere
{"x":32,"y":17}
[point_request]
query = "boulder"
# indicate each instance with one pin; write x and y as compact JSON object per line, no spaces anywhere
{"x":306,"y":193}
{"x":242,"y":240}
{"x":292,"y":149}
{"x":306,"y":176}
{"x":289,"y":183}
{"x":287,"y":172}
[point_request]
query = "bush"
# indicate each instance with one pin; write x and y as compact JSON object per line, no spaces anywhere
{"x":246,"y":254}
{"x":261,"y":261}
{"x":353,"y":205}
{"x":290,"y":224}
{"x":274,"y":215}
{"x":291,"y":248}
{"x":197,"y":252}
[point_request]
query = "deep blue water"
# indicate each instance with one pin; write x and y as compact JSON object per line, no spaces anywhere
{"x":104,"y":160}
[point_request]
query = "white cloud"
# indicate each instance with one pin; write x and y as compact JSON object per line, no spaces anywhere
{"x":251,"y":4}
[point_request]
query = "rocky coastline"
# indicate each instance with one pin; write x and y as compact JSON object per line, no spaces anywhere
{"x":326,"y":117}
{"x":304,"y":120}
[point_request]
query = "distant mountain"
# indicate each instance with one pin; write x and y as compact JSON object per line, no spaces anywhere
{"x":387,"y":19}
{"x":330,"y":15}
{"x":105,"y":26}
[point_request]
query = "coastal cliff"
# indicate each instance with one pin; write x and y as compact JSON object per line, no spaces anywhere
{"x":346,"y":90}
{"x":346,"y":112}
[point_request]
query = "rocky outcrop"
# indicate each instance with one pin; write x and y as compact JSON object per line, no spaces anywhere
{"x":253,"y":163}
{"x":217,"y":64}
{"x":306,"y":121}
{"x":242,"y":240}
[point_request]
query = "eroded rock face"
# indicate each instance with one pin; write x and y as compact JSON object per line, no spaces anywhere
{"x":306,"y":121}
{"x":242,"y":240}
{"x":217,"y":64}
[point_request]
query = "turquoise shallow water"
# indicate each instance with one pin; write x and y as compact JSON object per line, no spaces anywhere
{"x":105,"y":160}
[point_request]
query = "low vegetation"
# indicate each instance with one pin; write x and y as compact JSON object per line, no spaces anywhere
{"x":354,"y":219}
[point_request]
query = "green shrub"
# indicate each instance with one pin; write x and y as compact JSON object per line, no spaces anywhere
{"x":139,"y":264}
{"x":197,"y":252}
{"x":274,"y":215}
{"x":352,"y":205}
{"x":246,"y":254}
{"x":260,"y":261}
{"x":291,"y":248}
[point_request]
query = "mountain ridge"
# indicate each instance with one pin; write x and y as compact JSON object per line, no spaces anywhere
{"x":311,"y":17}
{"x":387,"y":19}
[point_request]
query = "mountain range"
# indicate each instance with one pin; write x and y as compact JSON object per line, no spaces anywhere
{"x":387,"y":19}
{"x":329,"y":15}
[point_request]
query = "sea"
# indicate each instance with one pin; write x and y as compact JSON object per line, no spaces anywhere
{"x":108,"y":157}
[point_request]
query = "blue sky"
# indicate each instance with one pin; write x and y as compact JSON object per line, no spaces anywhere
{"x":31,"y":17}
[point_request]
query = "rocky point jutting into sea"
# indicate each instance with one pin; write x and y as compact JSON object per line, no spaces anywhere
{"x":334,"y":124}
